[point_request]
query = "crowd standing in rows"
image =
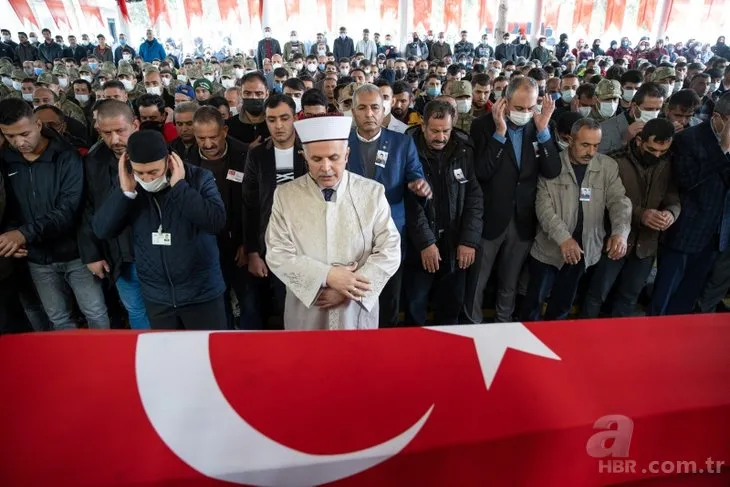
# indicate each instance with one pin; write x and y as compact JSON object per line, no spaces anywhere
{"x":323,"y":184}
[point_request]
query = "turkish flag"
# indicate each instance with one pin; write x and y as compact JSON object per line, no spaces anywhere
{"x":291,"y":7}
{"x":582,"y":16}
{"x":585,"y":403}
{"x":325,"y":7}
{"x":645,"y":19}
{"x":91,"y":10}
{"x":193,"y":8}
{"x":157,"y":10}
{"x":228,"y":8}
{"x":422,"y":14}
{"x":123,"y":9}
{"x":355,"y":7}
{"x":452,"y":13}
{"x":254,"y":11}
{"x":58,"y":13}
{"x":23,"y":11}
{"x":615,"y":10}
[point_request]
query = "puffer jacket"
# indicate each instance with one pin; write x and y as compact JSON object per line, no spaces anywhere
{"x":45,"y":199}
{"x":557,"y":210}
{"x":648,"y":188}
{"x":188,"y":270}
{"x":453,"y":216}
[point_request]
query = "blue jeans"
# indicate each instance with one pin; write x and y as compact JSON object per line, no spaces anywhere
{"x":255,"y":300}
{"x":560,"y":284}
{"x":55,"y":284}
{"x":130,"y":292}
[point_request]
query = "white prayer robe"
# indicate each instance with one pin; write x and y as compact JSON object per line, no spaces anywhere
{"x":307,"y":235}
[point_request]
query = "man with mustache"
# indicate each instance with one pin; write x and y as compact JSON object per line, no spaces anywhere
{"x":442,"y":241}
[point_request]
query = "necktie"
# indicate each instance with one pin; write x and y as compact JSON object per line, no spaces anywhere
{"x":328,"y":192}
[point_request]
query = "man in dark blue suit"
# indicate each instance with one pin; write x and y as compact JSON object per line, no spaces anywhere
{"x":701,"y":168}
{"x":390,"y":158}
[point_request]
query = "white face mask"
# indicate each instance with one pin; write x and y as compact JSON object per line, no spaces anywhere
{"x":463,"y":106}
{"x":520,"y":118}
{"x":293,"y":38}
{"x":228,"y":83}
{"x":182,"y":77}
{"x":267,"y":35}
{"x":210,"y":77}
{"x":128,"y":85}
{"x":239,"y":73}
{"x":567,"y":95}
{"x":63,"y":82}
{"x":8,"y":81}
{"x":344,"y":72}
{"x":28,"y":96}
{"x":276,"y":65}
{"x":127,"y":57}
{"x":311,"y":68}
{"x":646,"y":115}
{"x":497,"y":94}
{"x":83,"y":99}
{"x":677,"y":86}
{"x":628,"y":95}
{"x":155,"y":185}
{"x":584,"y":111}
{"x":154,"y":90}
{"x":713,"y":87}
{"x":87,"y":78}
{"x":166,"y":81}
{"x":234,"y":111}
{"x":667,"y":88}
{"x":607,"y":108}
{"x":17,"y":85}
{"x":387,"y":105}
{"x":563,"y":144}
{"x":297,"y":104}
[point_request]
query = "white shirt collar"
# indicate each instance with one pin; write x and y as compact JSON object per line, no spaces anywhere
{"x":362,"y":139}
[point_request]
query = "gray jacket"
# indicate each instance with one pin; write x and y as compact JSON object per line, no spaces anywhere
{"x":557,"y":210}
{"x":612,"y":134}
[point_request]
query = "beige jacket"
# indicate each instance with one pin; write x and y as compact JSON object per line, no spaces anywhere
{"x":557,"y":210}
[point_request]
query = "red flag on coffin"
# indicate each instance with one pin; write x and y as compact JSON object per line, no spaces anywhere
{"x":566,"y":404}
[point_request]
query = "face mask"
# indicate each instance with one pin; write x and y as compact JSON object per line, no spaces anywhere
{"x":297,"y":104}
{"x":28,"y":96}
{"x":422,"y":72}
{"x":254,"y":106}
{"x":228,"y":83}
{"x":607,"y":108}
{"x":155,"y":185}
{"x":555,"y":96}
{"x":321,"y":66}
{"x":714,"y":87}
{"x":267,"y":35}
{"x":677,"y":86}
{"x":33,"y":39}
{"x":433,"y":91}
{"x":584,"y":111}
{"x":646,"y":115}
{"x":628,"y":95}
{"x":63,"y":82}
{"x":122,"y":42}
{"x":37,"y":71}
{"x":541,"y":44}
{"x":210,"y":77}
{"x":343,"y":35}
{"x":563,"y":144}
{"x":276,"y":65}
{"x":523,"y":41}
{"x":400,"y":74}
{"x":497,"y":94}
{"x":83,"y":99}
{"x":624,"y":44}
{"x":182,"y":77}
{"x":293,"y":39}
{"x":568,"y":95}
{"x":87,"y":78}
{"x":93,"y":66}
{"x":277,"y":88}
{"x":154,"y":90}
{"x":127,"y":57}
{"x":7,"y":81}
{"x":520,"y":118}
{"x":667,"y":89}
{"x":128,"y":85}
{"x":6,"y":38}
{"x":166,"y":82}
{"x":463,"y":106}
{"x":506,"y":40}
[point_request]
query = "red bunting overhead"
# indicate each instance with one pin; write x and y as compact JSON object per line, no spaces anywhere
{"x":615,"y":11}
{"x":582,"y":16}
{"x":355,"y":7}
{"x":58,"y":13}
{"x":89,"y":9}
{"x":255,"y":11}
{"x":229,"y":8}
{"x":388,"y":9}
{"x":23,"y":11}
{"x":645,"y":19}
{"x":193,"y":8}
{"x":123,"y":9}
{"x":486,"y":18}
{"x":452,"y":14}
{"x":291,"y":7}
{"x":551,"y":14}
{"x":422,"y":14}
{"x":158,"y":11}
{"x":325,"y":6}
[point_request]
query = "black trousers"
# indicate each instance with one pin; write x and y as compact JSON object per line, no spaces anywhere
{"x":210,"y":315}
{"x":389,"y":300}
{"x":448,"y":294}
{"x":546,"y":280}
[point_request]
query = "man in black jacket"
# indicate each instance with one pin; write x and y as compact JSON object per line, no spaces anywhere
{"x":111,"y":257}
{"x":49,"y":49}
{"x":46,"y":182}
{"x":225,"y":157}
{"x":275,"y":162}
{"x":175,"y":212}
{"x":513,"y":147}
{"x":505,"y":51}
{"x":184,"y":144}
{"x":444,"y":238}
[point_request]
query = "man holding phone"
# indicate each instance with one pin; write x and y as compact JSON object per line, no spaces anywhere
{"x":175,"y":212}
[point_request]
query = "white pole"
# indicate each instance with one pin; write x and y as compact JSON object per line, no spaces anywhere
{"x":536,"y":22}
{"x":501,"y":26}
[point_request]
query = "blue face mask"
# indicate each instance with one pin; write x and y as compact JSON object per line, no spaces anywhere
{"x":122,"y":42}
{"x":342,"y":35}
{"x":433,"y":91}
{"x":555,"y":96}
{"x":278,"y":88}
{"x":37,"y":71}
{"x":321,"y":66}
{"x":93,"y":66}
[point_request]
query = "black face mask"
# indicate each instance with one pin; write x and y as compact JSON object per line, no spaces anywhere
{"x":649,"y":159}
{"x":254,"y":106}
{"x":541,"y":92}
{"x":400,"y":74}
{"x":422,"y":72}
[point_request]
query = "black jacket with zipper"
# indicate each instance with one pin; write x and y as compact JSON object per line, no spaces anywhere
{"x":45,"y":199}
{"x":453,"y":216}
{"x":102,"y":178}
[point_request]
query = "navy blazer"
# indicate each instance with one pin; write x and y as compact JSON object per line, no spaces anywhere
{"x":400,"y":168}
{"x":702,"y":174}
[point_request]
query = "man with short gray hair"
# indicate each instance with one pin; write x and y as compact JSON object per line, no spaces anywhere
{"x":183,"y":119}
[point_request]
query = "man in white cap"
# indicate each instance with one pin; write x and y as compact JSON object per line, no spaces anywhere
{"x":330,"y":238}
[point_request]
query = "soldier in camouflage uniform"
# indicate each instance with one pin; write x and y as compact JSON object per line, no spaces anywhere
{"x":209,"y":73}
{"x":228,"y":78}
{"x":6,"y":69}
{"x":461,"y":92}
{"x":169,"y":81}
{"x":126,"y":72}
{"x":17,"y":75}
{"x":194,"y":74}
{"x":69,"y":108}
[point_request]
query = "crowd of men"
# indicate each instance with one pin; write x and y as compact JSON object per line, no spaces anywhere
{"x":145,"y":190}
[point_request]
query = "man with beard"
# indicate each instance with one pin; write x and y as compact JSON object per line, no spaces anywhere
{"x":250,"y":126}
{"x":269,"y":165}
{"x":225,"y":157}
{"x":112,"y":257}
{"x":647,"y":177}
{"x":150,"y":109}
{"x":402,"y":100}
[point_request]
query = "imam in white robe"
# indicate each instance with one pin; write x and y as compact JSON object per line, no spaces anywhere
{"x":307,"y":235}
